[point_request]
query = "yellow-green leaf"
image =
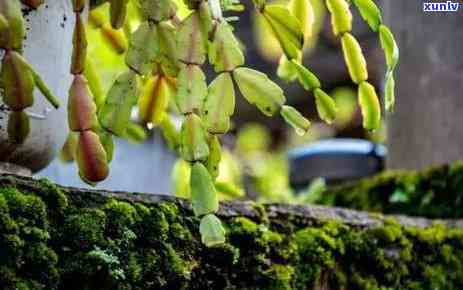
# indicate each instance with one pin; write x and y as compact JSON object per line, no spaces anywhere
{"x":153,"y":102}
{"x":259,"y":90}
{"x":156,"y":10}
{"x":143,"y":49}
{"x":286,"y":28}
{"x":68,"y":151}
{"x":18,"y":127}
{"x":369,"y":104}
{"x":193,"y":141}
{"x":369,"y":12}
{"x":107,"y":141}
{"x":300,"y":124}
{"x":389,"y":94}
{"x":203,"y":195}
{"x":191,"y":89}
{"x":11,"y":10}
{"x":170,"y":133}
{"x":191,"y":41}
{"x":225,"y":52}
{"x":391,"y":50}
{"x":118,"y":12}
{"x":215,"y":155}
{"x":341,"y":17}
{"x":219,"y":105}
{"x":212,"y":231}
{"x":114,"y":115}
{"x":168,"y":49}
{"x":135,"y":133}
{"x":354,"y":58}
{"x":17,"y":82}
{"x":306,"y":78}
{"x":4,"y":33}
{"x":79,"y":43}
{"x":326,"y":106}
{"x":303,"y":11}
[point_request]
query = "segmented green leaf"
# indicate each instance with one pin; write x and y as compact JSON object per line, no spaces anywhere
{"x":116,"y":39}
{"x":215,"y":154}
{"x":307,"y":79}
{"x":389,"y":94}
{"x":286,"y":70}
{"x":69,"y":149}
{"x":191,"y":89}
{"x":259,"y":90}
{"x":156,"y":10}
{"x":326,"y":106}
{"x":190,"y":40}
{"x":203,"y":195}
{"x":94,"y":83}
{"x":170,"y":133}
{"x":135,"y":133}
{"x":79,"y":43}
{"x":168,"y":49}
{"x":300,"y":124}
{"x":303,"y":11}
{"x":4,"y":32}
{"x":114,"y":115}
{"x":369,"y":104}
{"x":354,"y":58}
{"x":91,"y":157}
{"x":18,"y":127}
{"x":341,"y":17}
{"x":225,"y":52}
{"x":118,"y":12}
{"x":219,"y":105}
{"x":180,"y":178}
{"x":17,"y":82}
{"x":205,"y":20}
{"x":212,"y":231}
{"x":143,"y":49}
{"x":46,"y":92}
{"x":391,"y":50}
{"x":107,"y":141}
{"x":286,"y":28}
{"x":369,"y":12}
{"x":229,"y":189}
{"x":81,"y":108}
{"x":154,"y":100}
{"x":11,"y":10}
{"x":193,"y":142}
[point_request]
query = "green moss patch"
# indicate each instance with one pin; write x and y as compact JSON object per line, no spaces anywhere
{"x":434,"y":193}
{"x":50,"y":239}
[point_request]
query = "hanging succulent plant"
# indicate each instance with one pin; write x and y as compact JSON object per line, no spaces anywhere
{"x":164,"y":55}
{"x":17,"y":77}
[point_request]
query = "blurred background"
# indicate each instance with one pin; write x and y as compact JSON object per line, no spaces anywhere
{"x":264,"y":159}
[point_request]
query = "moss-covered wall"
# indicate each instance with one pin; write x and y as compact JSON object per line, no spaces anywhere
{"x":53,"y":238}
{"x":435,"y":193}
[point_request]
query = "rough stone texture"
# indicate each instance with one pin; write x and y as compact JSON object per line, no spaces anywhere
{"x":54,"y":237}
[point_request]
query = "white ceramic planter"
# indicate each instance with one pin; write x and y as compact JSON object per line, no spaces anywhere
{"x":47,"y":47}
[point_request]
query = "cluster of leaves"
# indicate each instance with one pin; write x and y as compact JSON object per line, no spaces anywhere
{"x":165,"y":55}
{"x":17,"y":77}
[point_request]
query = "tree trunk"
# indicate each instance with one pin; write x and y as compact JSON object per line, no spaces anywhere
{"x":426,"y":128}
{"x":56,"y":237}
